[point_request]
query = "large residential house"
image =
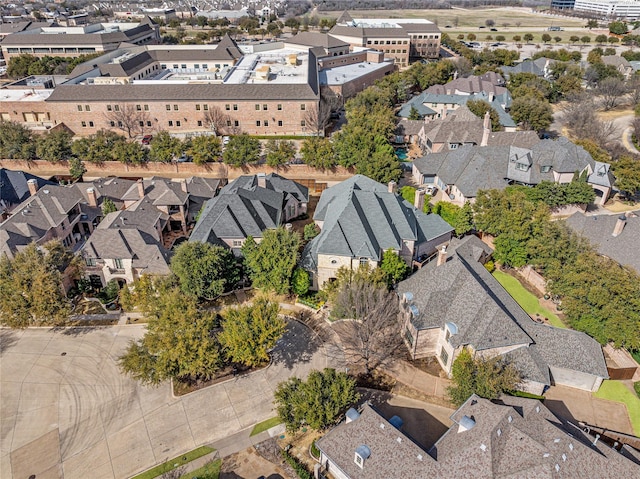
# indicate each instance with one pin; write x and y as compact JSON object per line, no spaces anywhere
{"x":15,"y":187}
{"x":401,"y":39}
{"x":462,"y":171}
{"x":456,"y":303}
{"x":614,"y":236}
{"x":512,"y":438}
{"x":52,"y":40}
{"x":462,"y":127}
{"x":359,"y":219}
{"x":51,"y":212}
{"x":246,"y":207}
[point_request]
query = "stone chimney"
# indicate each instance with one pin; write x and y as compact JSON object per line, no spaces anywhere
{"x":486,"y":129}
{"x":93,"y":198}
{"x":262,"y":180}
{"x":620,"y":224}
{"x":141,"y":188}
{"x":418,"y":201}
{"x":442,"y":255}
{"x":33,"y":186}
{"x":392,"y":186}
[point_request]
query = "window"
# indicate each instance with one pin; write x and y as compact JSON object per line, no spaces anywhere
{"x":148,"y":122}
{"x":79,"y":107}
{"x":175,"y":65}
{"x":303,"y":106}
{"x":363,"y":261}
{"x":522,"y":166}
{"x":170,"y":122}
{"x":205,"y":107}
{"x":228,"y":122}
{"x":196,"y":66}
{"x":444,"y":356}
{"x":90,"y":261}
{"x":146,"y":108}
{"x":265,"y":107}
{"x":109,"y":108}
{"x":447,"y":335}
{"x":257,"y":122}
{"x":237,"y":243}
{"x":141,"y":123}
{"x":279,"y":122}
{"x":236,"y":123}
{"x":138,"y":107}
{"x":116,"y":107}
{"x":118,"y":263}
{"x":199,"y":122}
{"x":205,"y":66}
{"x":453,"y":146}
{"x":119,"y":124}
{"x":235,"y":107}
{"x":227,"y":107}
{"x":279,"y":106}
{"x":266,"y":123}
{"x":177,"y":122}
{"x":303,"y":123}
{"x":257,"y":106}
{"x":163,"y":66}
{"x":168,"y":107}
{"x":197,"y":107}
{"x":84,"y":124}
{"x":183,"y":66}
{"x":112,"y":123}
{"x":545,"y":169}
{"x":175,"y":107}
{"x":91,"y":124}
{"x":359,"y":460}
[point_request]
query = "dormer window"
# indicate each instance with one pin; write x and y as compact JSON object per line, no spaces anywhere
{"x":453,"y":146}
{"x":522,"y":166}
{"x":545,"y":169}
{"x":364,"y":261}
{"x":362,"y":454}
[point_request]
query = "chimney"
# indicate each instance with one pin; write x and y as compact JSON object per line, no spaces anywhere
{"x":140,"y":188}
{"x":392,"y":186}
{"x":442,"y":255}
{"x":418,"y":201}
{"x":492,"y":97}
{"x":486,"y":129}
{"x":93,"y":199}
{"x":622,"y":221}
{"x":183,"y":184}
{"x":262,"y":180}
{"x":33,"y":186}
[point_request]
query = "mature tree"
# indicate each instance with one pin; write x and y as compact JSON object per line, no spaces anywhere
{"x":108,"y":206}
{"x":318,"y":152}
{"x":627,"y":172}
{"x":528,"y":37}
{"x":249,"y":332}
{"x":414,"y":114}
{"x":180,"y":342}
{"x":488,"y":378}
{"x":480,"y":107}
{"x":592,"y":23}
{"x":272,"y":261}
{"x":370,"y":336}
{"x":585,"y":39}
{"x":600,"y":39}
{"x":574,"y":39}
{"x":204,"y":149}
{"x":54,"y":146}
{"x":241,"y":150}
{"x":31,"y":286}
{"x":611,"y":91}
{"x":204,"y":270}
{"x":394,"y":266}
{"x":16,"y":141}
{"x":532,"y":114}
{"x":546,"y":38}
{"x":164,"y":147}
{"x":317,"y":402}
{"x":131,"y":119}
{"x":300,"y":282}
{"x":76,"y":168}
{"x":463,"y":222}
{"x":130,"y":152}
{"x":98,"y":147}
{"x":279,"y":152}
{"x":619,"y":28}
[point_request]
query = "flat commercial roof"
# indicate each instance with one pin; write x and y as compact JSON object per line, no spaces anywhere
{"x":280,"y":68}
{"x":28,"y":94}
{"x":346,"y":73}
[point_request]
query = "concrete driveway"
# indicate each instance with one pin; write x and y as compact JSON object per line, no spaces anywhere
{"x":66,"y":411}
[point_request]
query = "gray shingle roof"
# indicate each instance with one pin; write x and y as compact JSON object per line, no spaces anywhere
{"x":470,"y":84}
{"x":14,"y":188}
{"x":463,"y":291}
{"x":362,"y":219}
{"x":598,"y":230}
{"x":317,"y":39}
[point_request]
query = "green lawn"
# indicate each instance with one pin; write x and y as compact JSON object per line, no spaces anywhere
{"x":210,"y":470}
{"x":616,"y":391}
{"x":175,"y":462}
{"x":525,"y":299}
{"x":264,"y":425}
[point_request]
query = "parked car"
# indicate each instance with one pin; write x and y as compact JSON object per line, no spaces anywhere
{"x":146,"y":139}
{"x":183,"y":158}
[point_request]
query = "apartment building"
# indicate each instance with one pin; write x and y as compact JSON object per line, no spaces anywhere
{"x":399,"y":39}
{"x":71,"y":41}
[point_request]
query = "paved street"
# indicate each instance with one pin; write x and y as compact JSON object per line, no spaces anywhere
{"x":66,"y":411}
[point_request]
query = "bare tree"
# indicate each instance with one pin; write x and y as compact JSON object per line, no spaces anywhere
{"x":611,"y":91}
{"x":131,"y":119}
{"x":219,"y":122}
{"x":633,"y":87}
{"x":580,"y":117}
{"x":370,"y":336}
{"x":318,"y":118}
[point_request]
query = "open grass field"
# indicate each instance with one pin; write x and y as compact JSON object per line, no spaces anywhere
{"x":525,"y":299}
{"x":616,"y":391}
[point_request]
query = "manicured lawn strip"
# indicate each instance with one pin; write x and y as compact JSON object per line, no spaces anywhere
{"x":525,"y":299}
{"x":210,"y":470}
{"x":264,"y":425}
{"x":175,"y":462}
{"x":618,"y":392}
